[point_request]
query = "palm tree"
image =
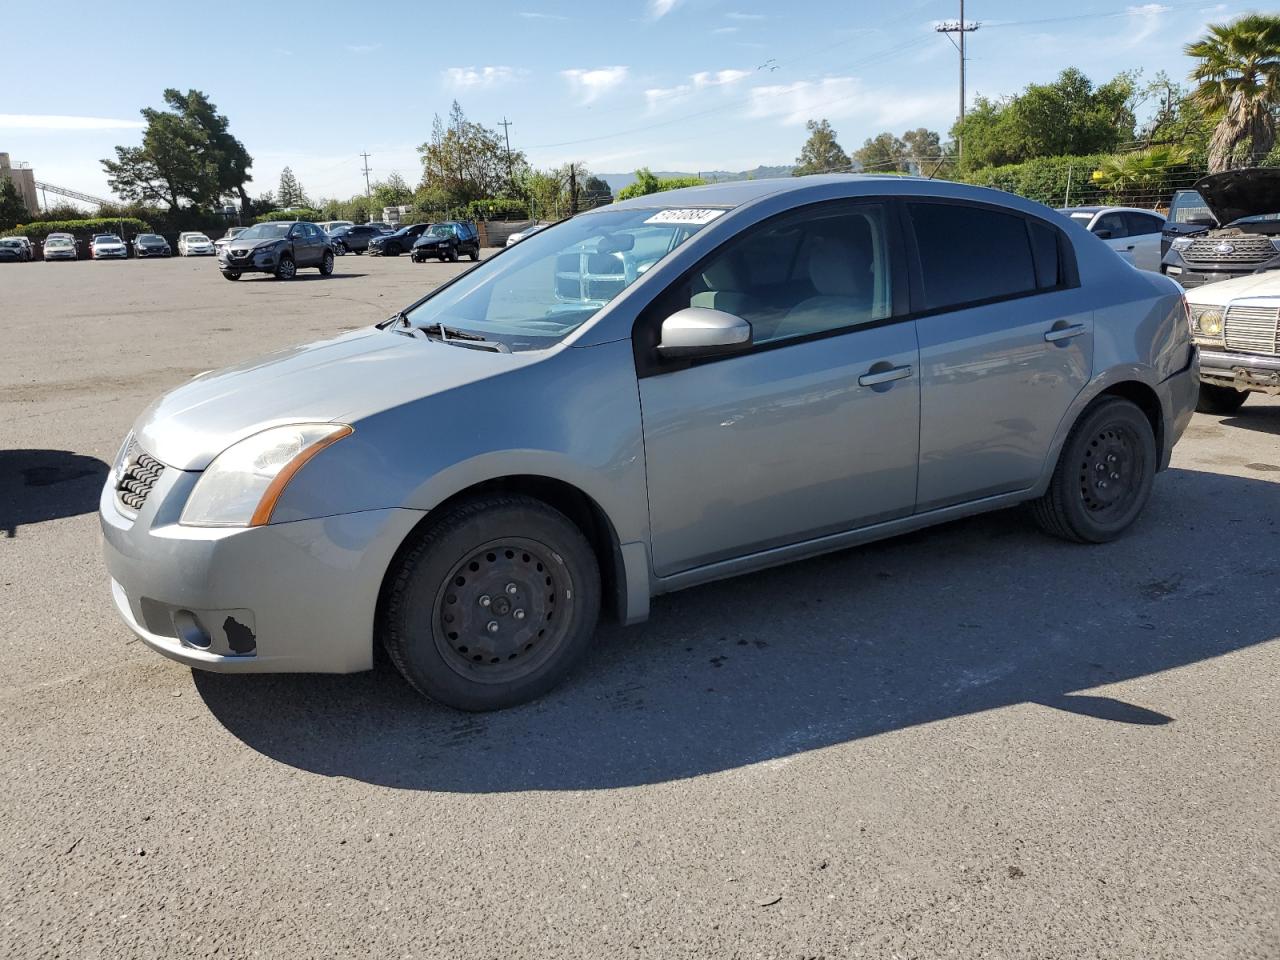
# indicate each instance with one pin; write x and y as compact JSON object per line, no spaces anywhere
{"x":1239,"y":83}
{"x":1140,"y":177}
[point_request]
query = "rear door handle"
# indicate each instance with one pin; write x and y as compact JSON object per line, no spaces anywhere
{"x":1064,"y":333}
{"x":884,"y":376}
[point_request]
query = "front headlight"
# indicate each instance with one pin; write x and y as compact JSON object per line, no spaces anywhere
{"x":1206,"y":321}
{"x":244,"y":482}
{"x":1275,"y":242}
{"x":1182,"y":243}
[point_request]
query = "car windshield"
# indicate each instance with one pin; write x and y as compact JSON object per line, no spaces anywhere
{"x":57,"y":242}
{"x":150,"y":238}
{"x":1084,"y":216}
{"x":266,"y":231}
{"x":1189,"y":206}
{"x":10,"y":243}
{"x":404,"y":230}
{"x":234,"y":232}
{"x":541,"y":290}
{"x":107,"y":238}
{"x":441,"y":230}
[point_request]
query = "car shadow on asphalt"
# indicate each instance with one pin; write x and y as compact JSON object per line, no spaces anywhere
{"x":39,"y":485}
{"x":299,"y":277}
{"x":1260,"y":419}
{"x":972,"y":616}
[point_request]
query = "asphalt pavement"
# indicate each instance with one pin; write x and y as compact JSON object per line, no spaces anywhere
{"x":973,"y":741}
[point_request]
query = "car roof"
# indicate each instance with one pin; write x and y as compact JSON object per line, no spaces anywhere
{"x":741,"y":192}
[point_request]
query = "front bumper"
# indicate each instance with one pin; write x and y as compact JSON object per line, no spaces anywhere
{"x":299,"y":596}
{"x":111,"y":255}
{"x":156,"y":252}
{"x":429,"y":253}
{"x":1240,"y":370}
{"x":264,"y":261}
{"x":1198,"y":274}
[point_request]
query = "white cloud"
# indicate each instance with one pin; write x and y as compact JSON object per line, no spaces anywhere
{"x":658,"y":97}
{"x":591,"y":85}
{"x":725,"y":30}
{"x":490,"y":76}
{"x":745,"y":16}
{"x":363,"y":47}
{"x":843,"y":97}
{"x":660,"y":8}
{"x":535,"y":15}
{"x":45,"y":121}
{"x":1144,"y":21}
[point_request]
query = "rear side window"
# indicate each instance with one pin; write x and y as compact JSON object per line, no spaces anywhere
{"x":971,"y":253}
{"x":1140,"y":224}
{"x":1044,"y":245}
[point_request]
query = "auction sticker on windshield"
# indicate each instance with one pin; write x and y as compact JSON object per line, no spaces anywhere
{"x":692,"y":216}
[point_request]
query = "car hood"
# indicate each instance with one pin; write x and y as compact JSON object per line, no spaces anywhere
{"x":1224,"y":291}
{"x":253,"y":244}
{"x":1241,"y":193}
{"x":424,"y":240}
{"x":344,"y":379}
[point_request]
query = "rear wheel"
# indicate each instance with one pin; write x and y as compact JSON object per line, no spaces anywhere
{"x":326,"y":264}
{"x":286,"y":269}
{"x":1220,"y":400}
{"x":1104,"y":475}
{"x":493,"y":605}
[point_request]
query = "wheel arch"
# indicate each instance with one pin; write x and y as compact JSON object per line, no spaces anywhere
{"x":1130,"y":384}
{"x":581,"y":509}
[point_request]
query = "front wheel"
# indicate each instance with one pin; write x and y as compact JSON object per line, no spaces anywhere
{"x":474,"y":256}
{"x":493,"y":605}
{"x":453,"y":254}
{"x":1104,"y":475}
{"x":286,"y":269}
{"x":231,"y":274}
{"x":340,"y":249}
{"x":326,"y":264}
{"x":1221,"y":401}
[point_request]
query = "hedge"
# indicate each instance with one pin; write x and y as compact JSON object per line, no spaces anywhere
{"x":499,"y":208}
{"x":128,"y":226}
{"x":301,"y":213}
{"x":1050,"y":180}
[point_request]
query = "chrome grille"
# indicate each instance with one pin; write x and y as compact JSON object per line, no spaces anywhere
{"x":141,"y":471}
{"x":1230,"y":250}
{"x":1251,"y":329}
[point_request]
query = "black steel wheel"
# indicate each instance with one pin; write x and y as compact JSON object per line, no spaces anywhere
{"x":1104,"y":475}
{"x":1220,"y":401}
{"x":493,"y":604}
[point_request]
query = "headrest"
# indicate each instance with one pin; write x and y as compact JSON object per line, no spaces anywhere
{"x":722,"y":274}
{"x":837,"y":267}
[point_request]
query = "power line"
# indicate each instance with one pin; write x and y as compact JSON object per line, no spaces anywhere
{"x":961,"y":27}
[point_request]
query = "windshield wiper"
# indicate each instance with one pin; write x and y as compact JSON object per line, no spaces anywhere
{"x":463,"y":339}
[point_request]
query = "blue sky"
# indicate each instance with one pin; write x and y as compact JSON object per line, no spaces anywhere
{"x":670,"y":84}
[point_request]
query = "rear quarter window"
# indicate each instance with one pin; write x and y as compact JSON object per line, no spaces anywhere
{"x":970,"y":254}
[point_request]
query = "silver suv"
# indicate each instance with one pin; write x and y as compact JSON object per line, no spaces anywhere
{"x":646,"y":397}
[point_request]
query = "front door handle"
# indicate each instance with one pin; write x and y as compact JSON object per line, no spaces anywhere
{"x":884,"y":376}
{"x":1064,"y":333}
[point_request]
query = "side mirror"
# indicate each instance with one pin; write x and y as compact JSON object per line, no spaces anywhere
{"x":702,"y":332}
{"x":1102,"y":234}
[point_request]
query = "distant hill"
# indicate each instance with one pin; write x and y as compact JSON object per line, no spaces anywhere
{"x":617,"y":181}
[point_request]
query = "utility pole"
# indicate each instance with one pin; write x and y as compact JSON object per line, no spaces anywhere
{"x":961,"y":27}
{"x":367,"y":192}
{"x":511,"y":177}
{"x":573,"y":190}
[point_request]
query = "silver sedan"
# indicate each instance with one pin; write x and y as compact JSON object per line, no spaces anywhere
{"x":645,"y":397}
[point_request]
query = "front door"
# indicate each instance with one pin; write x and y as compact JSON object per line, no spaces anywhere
{"x":815,"y":429}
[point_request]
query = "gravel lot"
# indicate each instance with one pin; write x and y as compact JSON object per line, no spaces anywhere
{"x":972,"y":741}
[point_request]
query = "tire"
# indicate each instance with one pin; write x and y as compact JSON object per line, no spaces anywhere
{"x":286,"y":269}
{"x":1104,"y":475}
{"x":1221,"y":401}
{"x":339,"y":249}
{"x":482,"y":569}
{"x":326,"y":264}
{"x":358,"y":253}
{"x":231,"y":274}
{"x":474,"y":256}
{"x":453,"y":254}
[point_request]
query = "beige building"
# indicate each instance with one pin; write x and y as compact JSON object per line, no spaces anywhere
{"x":24,"y":178}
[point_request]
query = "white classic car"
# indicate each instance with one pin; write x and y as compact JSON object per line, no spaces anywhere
{"x":1237,"y":326}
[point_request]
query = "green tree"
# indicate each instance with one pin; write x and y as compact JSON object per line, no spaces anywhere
{"x":883,"y":153}
{"x":820,"y":153}
{"x":1134,"y":179}
{"x":1238,"y":84}
{"x":467,"y":160}
{"x":12,"y":209}
{"x":1068,"y":116}
{"x":595,"y":192}
{"x":647,"y":182}
{"x":187,"y":154}
{"x":392,"y":192}
{"x":290,"y":193}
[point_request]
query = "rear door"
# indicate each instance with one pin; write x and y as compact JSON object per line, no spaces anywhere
{"x":1144,"y":235}
{"x":1006,"y":344}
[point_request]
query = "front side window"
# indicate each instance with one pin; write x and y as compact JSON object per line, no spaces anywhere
{"x":1111,"y":224}
{"x":971,"y":253}
{"x":541,"y":290}
{"x":811,"y":271}
{"x":1141,"y":224}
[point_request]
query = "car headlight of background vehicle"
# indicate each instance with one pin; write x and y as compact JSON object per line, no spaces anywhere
{"x":244,"y":482}
{"x":1206,"y":321}
{"x":1182,"y":243}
